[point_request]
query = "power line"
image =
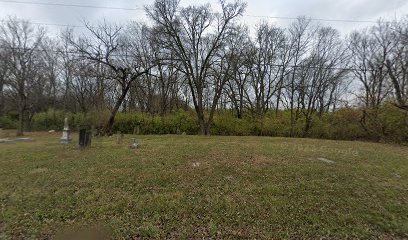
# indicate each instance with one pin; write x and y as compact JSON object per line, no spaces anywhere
{"x":315,"y":19}
{"x":140,"y":9}
{"x":81,"y":54}
{"x":70,"y":5}
{"x":49,"y":24}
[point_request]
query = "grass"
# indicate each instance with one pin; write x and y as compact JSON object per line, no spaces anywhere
{"x":204,"y":187}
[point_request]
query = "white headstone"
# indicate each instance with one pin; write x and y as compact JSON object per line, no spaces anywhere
{"x":66,"y":138}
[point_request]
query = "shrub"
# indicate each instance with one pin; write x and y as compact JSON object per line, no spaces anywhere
{"x":7,"y":122}
{"x":52,"y":119}
{"x":386,"y":123}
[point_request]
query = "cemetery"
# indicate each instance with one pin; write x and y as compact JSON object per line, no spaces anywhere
{"x":214,"y":119}
{"x":184,"y":186}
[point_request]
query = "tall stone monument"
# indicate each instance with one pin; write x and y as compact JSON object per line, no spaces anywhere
{"x":66,"y":138}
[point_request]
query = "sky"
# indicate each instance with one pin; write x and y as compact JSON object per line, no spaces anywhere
{"x":261,"y":10}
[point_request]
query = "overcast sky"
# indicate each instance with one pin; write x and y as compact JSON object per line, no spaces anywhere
{"x":363,"y":10}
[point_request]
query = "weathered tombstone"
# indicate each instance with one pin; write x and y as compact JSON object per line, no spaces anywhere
{"x":85,"y":137}
{"x":138,"y":130}
{"x":133,"y":144}
{"x":66,"y":138}
{"x":119,"y":137}
{"x":178,"y":131}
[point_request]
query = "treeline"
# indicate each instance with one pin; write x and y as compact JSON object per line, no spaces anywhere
{"x":390,"y":124}
{"x":192,"y":59}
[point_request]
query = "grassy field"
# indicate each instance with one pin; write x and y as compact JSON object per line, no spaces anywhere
{"x":204,"y":187}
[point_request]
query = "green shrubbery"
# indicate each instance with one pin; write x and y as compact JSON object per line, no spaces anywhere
{"x":386,"y":123}
{"x":8,"y":122}
{"x":149,"y":124}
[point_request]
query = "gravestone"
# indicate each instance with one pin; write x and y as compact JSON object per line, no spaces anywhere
{"x":66,"y":138}
{"x":133,"y":144}
{"x":178,"y":131}
{"x":85,"y":137}
{"x":119,"y":137}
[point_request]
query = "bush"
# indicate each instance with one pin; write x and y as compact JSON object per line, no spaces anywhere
{"x":386,"y":123}
{"x":342,"y":124}
{"x":7,"y":122}
{"x":227,"y":124}
{"x":52,"y":119}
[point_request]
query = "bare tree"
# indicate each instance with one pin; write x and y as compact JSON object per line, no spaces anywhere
{"x":23,"y":43}
{"x":4,"y":72}
{"x":300,"y":34}
{"x":266,"y":69}
{"x":125,"y":56}
{"x":396,"y":61}
{"x":367,"y":60}
{"x":237,"y":87}
{"x":321,"y":74}
{"x":195,"y":35}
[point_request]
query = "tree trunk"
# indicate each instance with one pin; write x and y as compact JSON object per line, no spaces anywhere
{"x":20,"y":127}
{"x":201,"y":120}
{"x":109,"y":125}
{"x":308,"y":124}
{"x":1,"y":98}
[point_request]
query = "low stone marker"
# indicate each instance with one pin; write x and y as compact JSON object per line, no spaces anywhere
{"x":85,"y":138}
{"x":133,"y":144}
{"x":325,"y":160}
{"x":4,"y":140}
{"x":119,"y":137}
{"x":66,"y":138}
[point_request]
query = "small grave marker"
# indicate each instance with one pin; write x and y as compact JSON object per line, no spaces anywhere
{"x":133,"y":144}
{"x":325,"y":160}
{"x":119,"y":137}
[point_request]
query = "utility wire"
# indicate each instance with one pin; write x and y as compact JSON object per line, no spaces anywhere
{"x":77,"y":53}
{"x":141,"y":9}
{"x":48,"y":24}
{"x":70,"y":5}
{"x":315,"y":19}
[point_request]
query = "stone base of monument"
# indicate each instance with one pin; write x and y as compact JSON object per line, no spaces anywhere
{"x":65,"y":137}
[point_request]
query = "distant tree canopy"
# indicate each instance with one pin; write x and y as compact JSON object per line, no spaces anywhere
{"x":196,"y":58}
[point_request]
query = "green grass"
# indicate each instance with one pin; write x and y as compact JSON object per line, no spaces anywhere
{"x":204,"y":187}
